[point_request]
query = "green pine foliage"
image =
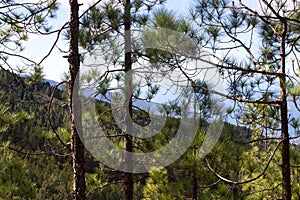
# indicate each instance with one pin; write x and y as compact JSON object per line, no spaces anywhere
{"x":30,"y":103}
{"x":15,"y":180}
{"x":157,"y":186}
{"x":34,"y":165}
{"x":30,"y":167}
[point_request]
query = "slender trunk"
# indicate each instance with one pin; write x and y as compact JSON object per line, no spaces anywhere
{"x":11,"y":182}
{"x":128,"y":176}
{"x":75,"y":106}
{"x":285,"y":153}
{"x":194,"y":172}
{"x":195,"y":184}
{"x":235,"y":192}
{"x":235,"y":188}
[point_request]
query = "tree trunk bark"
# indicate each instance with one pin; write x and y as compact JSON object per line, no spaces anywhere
{"x":77,"y":147}
{"x":128,"y":176}
{"x":195,"y":184}
{"x":285,"y":153}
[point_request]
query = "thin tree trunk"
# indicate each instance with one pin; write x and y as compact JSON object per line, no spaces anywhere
{"x":128,"y":176}
{"x":285,"y":153}
{"x":78,"y":192}
{"x":235,"y":193}
{"x":195,"y":184}
{"x":194,"y":172}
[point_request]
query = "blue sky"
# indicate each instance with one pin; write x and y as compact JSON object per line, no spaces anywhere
{"x":55,"y":65}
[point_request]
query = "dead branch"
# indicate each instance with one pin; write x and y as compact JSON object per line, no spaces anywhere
{"x":249,"y":180}
{"x":49,"y":115}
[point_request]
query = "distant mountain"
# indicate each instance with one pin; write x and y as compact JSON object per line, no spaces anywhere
{"x":142,"y":104}
{"x":53,"y":83}
{"x":90,"y":93}
{"x":108,"y":97}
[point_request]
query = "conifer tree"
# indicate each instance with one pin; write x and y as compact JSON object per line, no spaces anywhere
{"x":77,"y":146}
{"x":262,"y":81}
{"x":157,"y":186}
{"x":104,"y":27}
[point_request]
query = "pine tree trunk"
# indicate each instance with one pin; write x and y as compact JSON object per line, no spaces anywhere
{"x":128,"y":176}
{"x":286,"y":174}
{"x":235,"y":193}
{"x":285,"y":153}
{"x":195,"y":184}
{"x":78,"y":192}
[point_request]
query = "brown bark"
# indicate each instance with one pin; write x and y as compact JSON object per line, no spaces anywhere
{"x":78,"y":192}
{"x":285,"y":153}
{"x":235,"y":192}
{"x":128,"y":176}
{"x":195,"y":184}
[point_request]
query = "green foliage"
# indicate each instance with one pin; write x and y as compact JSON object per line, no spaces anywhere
{"x":258,"y":77}
{"x":167,"y":40}
{"x":25,"y":132}
{"x":53,"y":178}
{"x":269,"y":185}
{"x":7,"y":119}
{"x":191,"y":171}
{"x":31,"y":164}
{"x":96,"y":181}
{"x":50,"y":177}
{"x":17,"y":22}
{"x":157,"y":186}
{"x":26,"y":110}
{"x":35,"y":76}
{"x":15,"y":181}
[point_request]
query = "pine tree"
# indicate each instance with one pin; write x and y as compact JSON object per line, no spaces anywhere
{"x":258,"y":82}
{"x":157,"y":186}
{"x":77,"y":146}
{"x":102,"y":27}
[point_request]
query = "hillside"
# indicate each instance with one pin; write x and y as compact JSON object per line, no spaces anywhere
{"x":34,"y":165}
{"x":33,"y":99}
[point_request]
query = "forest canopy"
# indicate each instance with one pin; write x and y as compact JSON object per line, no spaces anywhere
{"x":142,"y":79}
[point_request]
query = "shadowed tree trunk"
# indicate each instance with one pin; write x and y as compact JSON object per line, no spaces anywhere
{"x":285,"y":152}
{"x":274,"y":23}
{"x":77,"y":147}
{"x":128,"y":176}
{"x":195,"y":185}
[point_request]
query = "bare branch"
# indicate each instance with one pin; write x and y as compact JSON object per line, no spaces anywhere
{"x":49,"y":115}
{"x":249,"y":180}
